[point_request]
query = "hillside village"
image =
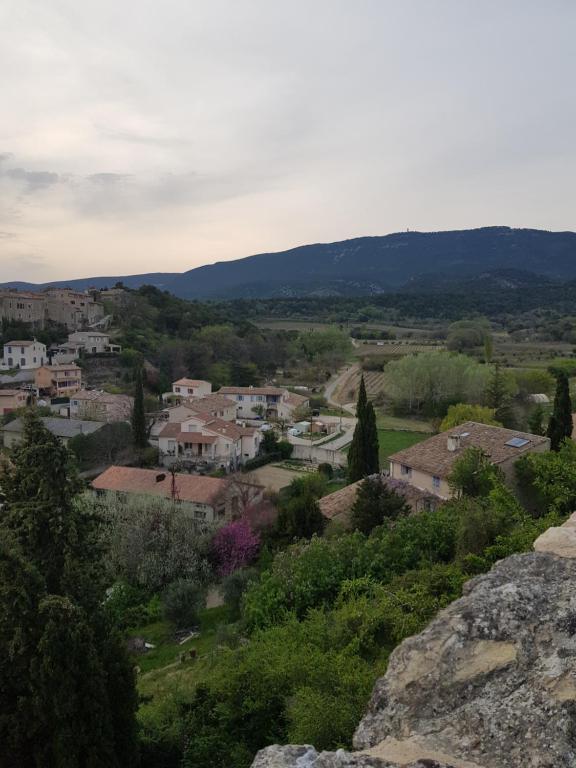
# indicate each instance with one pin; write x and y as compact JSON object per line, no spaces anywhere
{"x":263,"y":489}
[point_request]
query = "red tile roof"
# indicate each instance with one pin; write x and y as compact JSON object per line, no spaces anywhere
{"x":195,"y":438}
{"x":191,"y":488}
{"x":189,"y":382}
{"x":250,"y":391}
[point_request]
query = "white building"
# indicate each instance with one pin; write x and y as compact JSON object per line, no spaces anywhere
{"x":94,"y":342}
{"x":264,"y":402}
{"x":208,"y":441}
{"x":26,"y":355}
{"x":184,"y":388}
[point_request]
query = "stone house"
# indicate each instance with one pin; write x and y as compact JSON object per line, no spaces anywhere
{"x":209,"y":499}
{"x":101,"y":406}
{"x":22,"y":307}
{"x":427,"y":465}
{"x":185,"y":388}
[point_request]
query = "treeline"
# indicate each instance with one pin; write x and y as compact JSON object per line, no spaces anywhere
{"x":497,"y":304}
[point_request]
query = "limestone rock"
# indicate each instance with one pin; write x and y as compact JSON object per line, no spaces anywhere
{"x":490,"y":683}
{"x":492,"y":680}
{"x":307,"y":757}
{"x":559,"y":540}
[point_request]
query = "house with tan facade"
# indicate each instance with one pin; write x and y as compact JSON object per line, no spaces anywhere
{"x":58,"y":380}
{"x":24,"y":354}
{"x":186,"y":388}
{"x":202,"y":441}
{"x":101,"y":406}
{"x":427,"y":465}
{"x":12,"y":399}
{"x":208,"y":499}
{"x":264,"y":402}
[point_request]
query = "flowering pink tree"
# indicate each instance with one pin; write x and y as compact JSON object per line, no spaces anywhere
{"x":234,"y":545}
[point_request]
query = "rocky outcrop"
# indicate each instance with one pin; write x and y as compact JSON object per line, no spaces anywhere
{"x":490,"y":683}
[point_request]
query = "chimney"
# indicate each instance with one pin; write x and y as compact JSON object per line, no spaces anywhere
{"x":453,"y":443}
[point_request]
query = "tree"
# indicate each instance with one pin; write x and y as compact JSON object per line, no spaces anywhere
{"x":151,"y":541}
{"x":300,"y":517}
{"x":535,"y":420}
{"x":363,"y":452}
{"x":67,"y":684}
{"x":182,"y":602}
{"x":560,"y":425}
{"x":375,"y":503}
{"x":472,"y":474}
{"x":139,"y":431}
{"x":234,"y":546}
{"x":497,"y":396}
{"x":461,"y":412}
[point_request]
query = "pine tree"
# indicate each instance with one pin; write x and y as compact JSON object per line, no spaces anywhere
{"x":363,"y":452}
{"x":560,"y":425}
{"x":68,"y":696}
{"x":139,"y":432}
{"x":376,"y":503}
{"x":498,"y":398}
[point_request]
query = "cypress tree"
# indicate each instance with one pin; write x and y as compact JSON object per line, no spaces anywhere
{"x":560,"y":424}
{"x":372,"y":447}
{"x":139,"y":432}
{"x":68,"y":697}
{"x":363,"y":452}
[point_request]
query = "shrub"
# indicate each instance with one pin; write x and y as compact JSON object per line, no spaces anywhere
{"x":234,"y":587}
{"x":260,"y":461}
{"x":326,"y":470}
{"x":182,"y":602}
{"x":285,"y":449}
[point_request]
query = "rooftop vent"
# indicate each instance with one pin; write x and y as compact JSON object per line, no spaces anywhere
{"x":160,"y":477}
{"x":453,"y":443}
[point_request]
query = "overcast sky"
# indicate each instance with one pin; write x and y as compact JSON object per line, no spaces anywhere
{"x":148,"y":135}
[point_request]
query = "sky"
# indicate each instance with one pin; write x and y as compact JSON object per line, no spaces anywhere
{"x":146,"y":136}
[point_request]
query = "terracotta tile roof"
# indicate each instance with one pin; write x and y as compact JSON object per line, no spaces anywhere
{"x":61,"y":367}
{"x":223,"y":428}
{"x":189,"y":382}
{"x":20,"y":343}
{"x":250,"y":391}
{"x":172,"y":429}
{"x":191,"y":488}
{"x":195,"y":438}
{"x":295,"y":400}
{"x":432,"y":455}
{"x":209,"y":403}
{"x":99,"y":395}
{"x":12,"y":392}
{"x":338,"y":505}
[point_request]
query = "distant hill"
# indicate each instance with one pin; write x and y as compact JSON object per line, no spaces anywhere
{"x":371,"y":265}
{"x":160,"y":280}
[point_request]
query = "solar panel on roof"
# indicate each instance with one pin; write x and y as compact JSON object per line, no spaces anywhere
{"x":517,"y":442}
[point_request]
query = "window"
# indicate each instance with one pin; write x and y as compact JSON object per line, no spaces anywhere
{"x":517,"y":442}
{"x":22,"y":362}
{"x":176,"y":389}
{"x":436,"y":481}
{"x":405,"y":470}
{"x":240,"y":397}
{"x":199,"y":514}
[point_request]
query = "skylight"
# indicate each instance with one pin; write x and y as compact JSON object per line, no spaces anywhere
{"x":517,"y":442}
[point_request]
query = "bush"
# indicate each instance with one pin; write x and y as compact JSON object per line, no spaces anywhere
{"x":285,"y":449}
{"x":234,"y":587}
{"x":326,"y":470}
{"x":234,"y":546}
{"x":260,"y":461}
{"x":182,"y":602}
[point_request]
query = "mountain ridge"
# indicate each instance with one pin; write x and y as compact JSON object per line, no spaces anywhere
{"x":368,"y":265}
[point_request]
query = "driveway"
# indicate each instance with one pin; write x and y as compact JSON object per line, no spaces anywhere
{"x":273,"y":478}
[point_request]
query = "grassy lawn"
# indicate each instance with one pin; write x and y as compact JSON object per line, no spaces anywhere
{"x":385,"y":421}
{"x":335,"y":485}
{"x":165,"y":655}
{"x":391,"y":441}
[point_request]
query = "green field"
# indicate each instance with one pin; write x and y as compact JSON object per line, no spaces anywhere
{"x":391,"y":440}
